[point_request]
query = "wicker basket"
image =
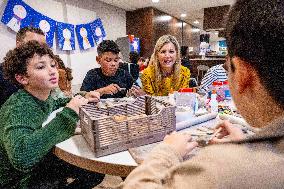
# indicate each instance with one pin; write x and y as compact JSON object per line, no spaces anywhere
{"x":119,"y":127}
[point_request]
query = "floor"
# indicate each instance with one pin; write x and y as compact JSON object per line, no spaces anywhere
{"x":109,"y":182}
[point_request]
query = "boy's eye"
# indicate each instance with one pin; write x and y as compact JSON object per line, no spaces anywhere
{"x":40,"y":67}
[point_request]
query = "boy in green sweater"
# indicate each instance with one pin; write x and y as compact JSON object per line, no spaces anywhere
{"x":26,"y":159}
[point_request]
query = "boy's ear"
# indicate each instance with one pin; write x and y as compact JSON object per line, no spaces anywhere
{"x":98,"y":59}
{"x":22,"y":79}
{"x":245,"y":75}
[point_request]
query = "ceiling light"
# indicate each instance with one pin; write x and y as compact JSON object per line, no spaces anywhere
{"x":155,"y":1}
{"x":180,"y":24}
{"x":196,"y":22}
{"x":183,"y":15}
{"x":194,"y":30}
{"x":164,"y":18}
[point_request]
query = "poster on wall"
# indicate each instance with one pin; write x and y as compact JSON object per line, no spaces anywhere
{"x":47,"y":25}
{"x":135,"y":45}
{"x":17,"y":15}
{"x":66,"y":36}
{"x":84,"y":36}
{"x":98,"y":31}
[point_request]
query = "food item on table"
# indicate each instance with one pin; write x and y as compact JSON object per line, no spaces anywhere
{"x":119,"y":118}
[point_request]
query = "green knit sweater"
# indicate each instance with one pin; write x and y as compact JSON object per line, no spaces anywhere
{"x":23,"y":141}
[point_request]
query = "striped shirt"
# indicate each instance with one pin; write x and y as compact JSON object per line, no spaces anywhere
{"x":215,"y":73}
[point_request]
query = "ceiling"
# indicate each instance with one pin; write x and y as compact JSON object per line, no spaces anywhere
{"x":192,"y":8}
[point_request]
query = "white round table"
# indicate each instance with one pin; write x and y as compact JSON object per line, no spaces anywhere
{"x":77,"y":152}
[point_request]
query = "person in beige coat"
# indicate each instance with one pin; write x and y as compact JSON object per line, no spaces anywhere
{"x":255,"y":38}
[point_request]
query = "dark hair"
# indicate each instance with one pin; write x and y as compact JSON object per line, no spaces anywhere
{"x":16,"y":60}
{"x":22,"y":33}
{"x":134,"y":57}
{"x":183,"y":50}
{"x":255,"y":33}
{"x":108,"y":46}
{"x":61,"y":65}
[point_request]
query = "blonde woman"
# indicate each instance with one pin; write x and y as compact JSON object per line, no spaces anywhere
{"x":165,"y":72}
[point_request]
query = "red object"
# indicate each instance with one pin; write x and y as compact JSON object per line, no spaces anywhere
{"x":217,"y":83}
{"x":186,"y":90}
{"x":142,"y":67}
{"x":226,"y":82}
{"x":131,"y":38}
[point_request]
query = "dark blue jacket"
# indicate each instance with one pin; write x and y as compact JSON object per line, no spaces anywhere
{"x":6,"y":88}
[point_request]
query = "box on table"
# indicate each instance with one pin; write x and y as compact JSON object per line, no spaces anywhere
{"x":120,"y":127}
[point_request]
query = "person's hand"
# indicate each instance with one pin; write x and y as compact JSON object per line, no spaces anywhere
{"x":110,"y":89}
{"x":77,"y":102}
{"x":228,"y":133}
{"x":93,"y":96}
{"x":180,"y":142}
{"x":135,"y":91}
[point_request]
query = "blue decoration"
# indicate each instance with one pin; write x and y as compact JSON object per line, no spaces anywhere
{"x":47,"y":25}
{"x":135,"y":45}
{"x":66,"y":36}
{"x":17,"y":15}
{"x":98,"y":30}
{"x":84,"y":36}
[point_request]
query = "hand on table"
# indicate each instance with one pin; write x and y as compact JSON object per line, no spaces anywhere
{"x":77,"y":102}
{"x":180,"y":142}
{"x":110,"y":89}
{"x":135,"y":91}
{"x":93,"y":96}
{"x":228,"y":133}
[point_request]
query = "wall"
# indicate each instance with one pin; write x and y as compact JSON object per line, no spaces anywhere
{"x":214,"y":17}
{"x":135,"y":21}
{"x":73,"y":12}
{"x":156,"y":23}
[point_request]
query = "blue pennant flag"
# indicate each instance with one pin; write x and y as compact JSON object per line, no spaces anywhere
{"x":84,"y":36}
{"x":98,"y":30}
{"x":135,"y":45}
{"x":66,"y":36}
{"x":47,"y":25}
{"x":17,"y":15}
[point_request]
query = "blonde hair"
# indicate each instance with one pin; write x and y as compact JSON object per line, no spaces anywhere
{"x":156,"y":64}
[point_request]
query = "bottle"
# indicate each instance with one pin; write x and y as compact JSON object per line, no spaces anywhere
{"x":213,"y":102}
{"x":213,"y":87}
{"x":185,"y":97}
{"x":219,"y":91}
{"x":227,"y":94}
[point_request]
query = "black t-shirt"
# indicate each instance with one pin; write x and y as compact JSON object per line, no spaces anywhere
{"x":95,"y":79}
{"x":186,"y":63}
{"x":134,"y":69}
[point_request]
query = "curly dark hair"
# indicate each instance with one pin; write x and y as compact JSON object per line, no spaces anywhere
{"x":61,"y":65}
{"x":108,"y":46}
{"x":255,"y":33}
{"x":21,"y":34}
{"x":17,"y":60}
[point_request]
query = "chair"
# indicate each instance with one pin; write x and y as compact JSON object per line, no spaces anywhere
{"x":201,"y":70}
